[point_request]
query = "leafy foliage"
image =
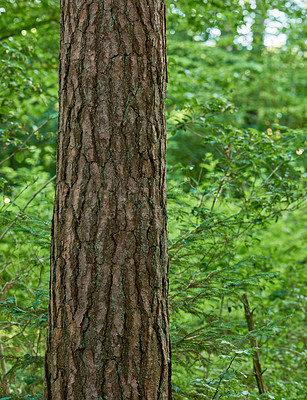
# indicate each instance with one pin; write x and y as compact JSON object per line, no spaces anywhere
{"x":236,"y":169}
{"x":218,"y":211}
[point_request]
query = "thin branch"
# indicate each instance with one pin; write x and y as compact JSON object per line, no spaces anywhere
{"x":3,"y":366}
{"x":22,"y":147}
{"x":24,"y":207}
{"x":33,"y":24}
{"x":221,"y":377}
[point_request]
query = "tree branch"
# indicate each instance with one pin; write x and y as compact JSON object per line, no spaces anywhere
{"x":23,"y":209}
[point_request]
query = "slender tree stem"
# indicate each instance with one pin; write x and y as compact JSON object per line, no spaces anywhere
{"x":256,"y":359}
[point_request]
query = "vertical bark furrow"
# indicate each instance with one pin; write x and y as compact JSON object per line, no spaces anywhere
{"x":108,"y":316}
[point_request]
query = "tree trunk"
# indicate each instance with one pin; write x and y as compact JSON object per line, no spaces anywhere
{"x":108,"y":334}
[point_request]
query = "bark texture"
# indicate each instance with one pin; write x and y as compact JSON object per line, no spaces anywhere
{"x":108,"y":332}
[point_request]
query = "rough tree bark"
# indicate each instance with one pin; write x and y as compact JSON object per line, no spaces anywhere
{"x":108,"y":334}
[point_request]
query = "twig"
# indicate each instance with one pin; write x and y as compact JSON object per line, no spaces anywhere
{"x":26,"y":141}
{"x":24,"y":207}
{"x":221,"y":377}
